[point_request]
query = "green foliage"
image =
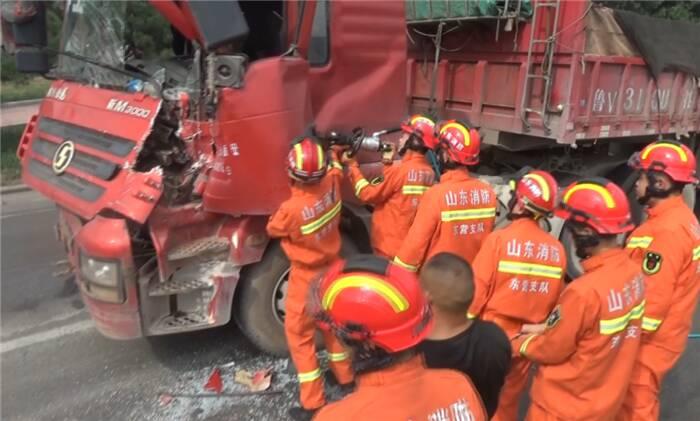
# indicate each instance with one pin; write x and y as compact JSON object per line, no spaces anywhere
{"x":26,"y":87}
{"x":676,"y":10}
{"x":147,"y":30}
{"x":9,"y":164}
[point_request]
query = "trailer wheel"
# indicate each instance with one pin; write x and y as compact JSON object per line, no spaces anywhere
{"x":259,"y":301}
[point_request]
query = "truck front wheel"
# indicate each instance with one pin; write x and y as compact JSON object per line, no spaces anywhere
{"x":259,"y":301}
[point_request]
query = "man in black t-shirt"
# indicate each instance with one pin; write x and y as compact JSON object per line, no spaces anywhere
{"x":479,"y":349}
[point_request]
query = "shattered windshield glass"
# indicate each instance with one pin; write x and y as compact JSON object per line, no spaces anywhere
{"x":104,"y":39}
{"x":95,"y":30}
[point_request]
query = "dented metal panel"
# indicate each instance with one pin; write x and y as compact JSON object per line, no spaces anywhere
{"x":106,"y":130}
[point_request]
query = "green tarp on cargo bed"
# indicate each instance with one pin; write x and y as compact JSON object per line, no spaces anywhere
{"x":435,"y":10}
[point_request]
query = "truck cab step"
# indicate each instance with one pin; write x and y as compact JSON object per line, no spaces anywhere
{"x":208,"y":245}
{"x":176,"y":286}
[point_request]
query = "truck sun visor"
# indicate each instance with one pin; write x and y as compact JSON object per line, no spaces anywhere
{"x":218,"y":22}
{"x":665,"y":45}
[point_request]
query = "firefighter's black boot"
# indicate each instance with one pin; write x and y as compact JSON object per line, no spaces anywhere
{"x":297,"y":413}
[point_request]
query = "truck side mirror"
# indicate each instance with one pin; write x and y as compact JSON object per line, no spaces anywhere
{"x":28,"y":19}
{"x":219,"y":22}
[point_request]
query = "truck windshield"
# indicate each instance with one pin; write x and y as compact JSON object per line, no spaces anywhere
{"x":117,"y":34}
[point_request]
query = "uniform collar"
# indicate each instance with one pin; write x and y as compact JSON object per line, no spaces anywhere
{"x":452,"y":176}
{"x":300,"y":189}
{"x":404,"y":370}
{"x":413,"y":156}
{"x":525,"y":222}
{"x":593,"y":263}
{"x":665,"y":205}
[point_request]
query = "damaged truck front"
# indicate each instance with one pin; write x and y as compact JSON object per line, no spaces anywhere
{"x":165,"y":169}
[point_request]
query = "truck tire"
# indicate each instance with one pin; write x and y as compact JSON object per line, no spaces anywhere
{"x":260,"y":295}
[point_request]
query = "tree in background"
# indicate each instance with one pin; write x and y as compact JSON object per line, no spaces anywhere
{"x":676,"y":10}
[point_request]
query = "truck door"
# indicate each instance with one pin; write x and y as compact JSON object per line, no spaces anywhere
{"x":256,"y":122}
{"x":357,"y":54}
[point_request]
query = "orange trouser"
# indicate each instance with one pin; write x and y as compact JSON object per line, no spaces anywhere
{"x":300,"y":328}
{"x":642,"y":399}
{"x":537,"y":413}
{"x":509,"y":398}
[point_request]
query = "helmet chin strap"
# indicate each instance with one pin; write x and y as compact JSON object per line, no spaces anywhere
{"x":652,"y":192}
{"x":446,"y":163}
{"x":583,"y":243}
{"x":511,"y":206}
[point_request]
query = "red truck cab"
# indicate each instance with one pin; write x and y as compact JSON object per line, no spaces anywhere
{"x":165,"y":171}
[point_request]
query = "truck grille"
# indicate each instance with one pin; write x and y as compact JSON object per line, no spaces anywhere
{"x":86,"y":137}
{"x":67,"y":182}
{"x":88,"y":181}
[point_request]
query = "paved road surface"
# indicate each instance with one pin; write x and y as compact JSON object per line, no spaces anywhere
{"x":14,"y":115}
{"x":55,"y":366}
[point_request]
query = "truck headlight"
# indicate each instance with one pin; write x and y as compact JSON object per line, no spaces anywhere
{"x":100,"y":272}
{"x":100,"y":279}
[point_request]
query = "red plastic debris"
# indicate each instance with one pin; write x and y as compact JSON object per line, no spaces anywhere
{"x":165,"y":399}
{"x":214,"y":383}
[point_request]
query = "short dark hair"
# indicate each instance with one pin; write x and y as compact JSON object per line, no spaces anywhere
{"x":449,"y":279}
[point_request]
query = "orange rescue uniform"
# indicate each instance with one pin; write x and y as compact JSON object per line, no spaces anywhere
{"x":667,"y":246}
{"x":408,"y":391}
{"x":518,"y":277}
{"x":395,"y":197}
{"x":454,"y":216}
{"x":588,"y":349}
{"x":307,"y":224}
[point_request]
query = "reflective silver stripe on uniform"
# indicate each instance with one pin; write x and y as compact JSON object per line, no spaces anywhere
{"x":649,"y":324}
{"x":405,"y":265}
{"x":413,"y":189}
{"x":696,"y":253}
{"x":467,"y":214}
{"x":618,"y":324}
{"x":309,"y":376}
{"x":639,"y":242}
{"x":337,"y":356}
{"x":523,"y":347}
{"x":321,"y":221}
{"x":532,"y":269}
{"x":361,"y":184}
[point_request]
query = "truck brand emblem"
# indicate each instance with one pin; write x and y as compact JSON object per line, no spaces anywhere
{"x":63,"y":157}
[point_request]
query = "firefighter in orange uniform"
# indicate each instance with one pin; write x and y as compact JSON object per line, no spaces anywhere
{"x":396,"y":194}
{"x":587,"y":348}
{"x":456,"y":214}
{"x":307,"y":224}
{"x":378,"y":310}
{"x":519,"y":275}
{"x":668,"y":247}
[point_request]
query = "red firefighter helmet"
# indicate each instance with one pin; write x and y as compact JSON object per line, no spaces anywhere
{"x":423,"y":127}
{"x":669,"y":157}
{"x":598,"y":203}
{"x":307,"y":161}
{"x":462,"y":143}
{"x":367,"y":298}
{"x":537,"y":190}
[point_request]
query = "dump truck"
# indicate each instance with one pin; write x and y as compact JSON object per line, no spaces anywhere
{"x":165,"y":168}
